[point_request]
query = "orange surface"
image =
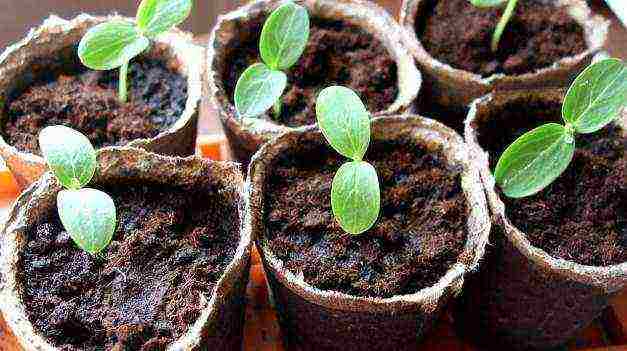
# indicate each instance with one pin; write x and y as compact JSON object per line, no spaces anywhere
{"x":212,"y":146}
{"x":8,"y":186}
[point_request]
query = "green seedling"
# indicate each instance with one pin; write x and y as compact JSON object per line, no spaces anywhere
{"x":539,"y":156}
{"x":507,"y":15}
{"x":355,"y":193}
{"x":88,"y":215}
{"x":114,"y":44}
{"x":283,"y":40}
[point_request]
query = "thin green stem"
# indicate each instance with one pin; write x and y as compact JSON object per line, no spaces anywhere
{"x":278,"y":105}
{"x":122,"y":88}
{"x":500,"y":27}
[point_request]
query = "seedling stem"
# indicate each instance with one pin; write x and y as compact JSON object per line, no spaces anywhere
{"x":123,"y":85}
{"x":113,"y":44}
{"x":277,"y":107}
{"x":500,"y":27}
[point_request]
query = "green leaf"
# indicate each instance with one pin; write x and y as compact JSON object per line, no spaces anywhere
{"x":111,"y":44}
{"x":158,"y":16}
{"x":355,"y":196}
{"x":344,"y":121}
{"x":69,"y":155}
{"x":257,"y":89}
{"x":89,"y":217}
{"x":284,"y":36}
{"x":535,"y":160}
{"x":487,"y":3}
{"x":596,"y":96}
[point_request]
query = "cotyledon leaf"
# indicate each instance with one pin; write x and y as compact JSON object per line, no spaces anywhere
{"x":535,"y":160}
{"x":111,"y":44}
{"x":157,"y":16}
{"x":344,"y":121}
{"x":487,"y":3}
{"x":596,"y":96}
{"x":69,"y":154}
{"x":89,"y":216}
{"x":257,"y":89}
{"x":355,"y":196}
{"x":284,"y":36}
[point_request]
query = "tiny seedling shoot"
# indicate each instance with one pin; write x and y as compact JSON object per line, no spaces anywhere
{"x":283,"y":40}
{"x":507,"y":15}
{"x":88,"y":215}
{"x":113,"y":44}
{"x":539,"y":156}
{"x":355,"y":193}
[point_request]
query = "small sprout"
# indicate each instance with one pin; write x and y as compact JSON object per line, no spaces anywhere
{"x":283,"y":40}
{"x":355,"y":193}
{"x":115,"y":43}
{"x":539,"y":156}
{"x":507,"y":15}
{"x":88,"y":215}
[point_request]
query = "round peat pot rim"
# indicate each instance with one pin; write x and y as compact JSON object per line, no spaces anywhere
{"x":608,"y":278}
{"x":120,"y":164}
{"x":431,"y":134}
{"x":365,"y":14}
{"x":175,"y":46}
{"x":595,"y":29}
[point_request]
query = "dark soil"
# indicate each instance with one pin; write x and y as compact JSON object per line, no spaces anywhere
{"x":336,"y":54}
{"x":580,"y":216}
{"x":451,"y":116}
{"x":87,"y":101}
{"x":539,"y":34}
{"x":143,"y":292}
{"x":419,"y":234}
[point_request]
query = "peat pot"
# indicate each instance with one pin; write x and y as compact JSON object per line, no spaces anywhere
{"x":385,"y":288}
{"x":559,"y":255}
{"x":540,"y":47}
{"x":173,"y":277}
{"x":43,"y":82}
{"x":352,"y":43}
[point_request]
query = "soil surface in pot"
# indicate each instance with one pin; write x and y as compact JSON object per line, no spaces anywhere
{"x":419,"y":234}
{"x":87,"y":101}
{"x":337,"y":53}
{"x":539,"y":34}
{"x":581,"y":216}
{"x":143,"y":292}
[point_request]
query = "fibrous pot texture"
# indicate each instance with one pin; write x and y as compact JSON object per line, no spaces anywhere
{"x":159,"y":285}
{"x":43,"y":82}
{"x":360,"y":308}
{"x":566,"y":29}
{"x":352,"y":43}
{"x":559,"y":255}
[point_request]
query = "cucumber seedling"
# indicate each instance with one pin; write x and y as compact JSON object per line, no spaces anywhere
{"x":345,"y":124}
{"x":114,"y":44}
{"x":500,"y":26}
{"x":538,"y":157}
{"x":88,"y":215}
{"x":283,"y":39}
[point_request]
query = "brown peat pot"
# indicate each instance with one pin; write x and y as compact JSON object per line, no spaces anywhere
{"x":173,"y":277}
{"x":352,"y":43}
{"x":43,"y":82}
{"x":383,"y":289}
{"x":559,"y":255}
{"x":546,"y":43}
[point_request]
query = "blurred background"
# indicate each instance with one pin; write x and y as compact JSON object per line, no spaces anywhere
{"x":18,"y":16}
